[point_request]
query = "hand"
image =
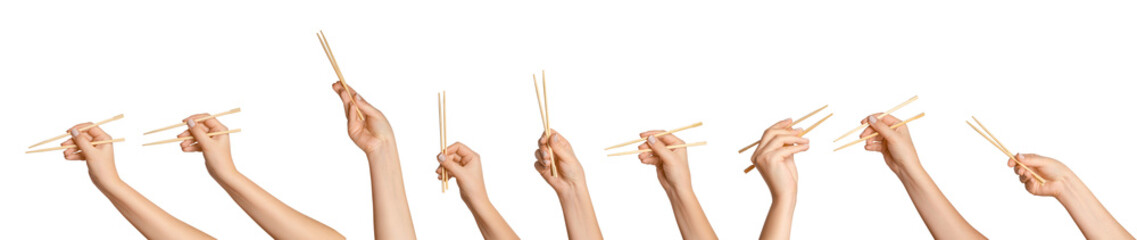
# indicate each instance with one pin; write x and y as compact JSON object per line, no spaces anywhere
{"x":215,"y":148}
{"x":370,"y":134}
{"x":895,"y":144}
{"x":100,"y":158}
{"x":569,"y":173}
{"x":670,"y":164}
{"x":1058,"y":176}
{"x":774,"y":158}
{"x":466,"y":166}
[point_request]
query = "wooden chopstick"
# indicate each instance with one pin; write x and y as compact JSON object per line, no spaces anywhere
{"x":656,"y":135}
{"x":999,"y":145}
{"x":73,"y":146}
{"x":649,"y":150}
{"x":442,"y":136}
{"x":543,"y":105}
{"x":894,"y":126}
{"x":863,"y":125}
{"x":191,"y":137}
{"x":336,"y":67}
{"x":199,"y":120}
{"x":80,"y":129}
{"x":810,"y":128}
{"x":795,"y":122}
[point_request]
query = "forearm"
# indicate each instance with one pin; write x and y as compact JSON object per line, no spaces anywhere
{"x":391,"y":212}
{"x":149,"y":219}
{"x":941,"y":218}
{"x":1092,"y":218}
{"x":780,"y":218}
{"x":277,"y":219}
{"x":693,"y":223}
{"x":490,"y":222}
{"x":580,"y":219}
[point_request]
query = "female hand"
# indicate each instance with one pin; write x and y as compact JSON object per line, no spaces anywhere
{"x":774,"y":158}
{"x":670,"y":164}
{"x":369,"y":134}
{"x":100,"y":158}
{"x":1058,"y":176}
{"x":466,"y":166}
{"x":895,"y":144}
{"x":215,"y":148}
{"x":569,"y":173}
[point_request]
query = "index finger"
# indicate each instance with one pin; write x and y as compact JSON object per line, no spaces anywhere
{"x":461,"y":149}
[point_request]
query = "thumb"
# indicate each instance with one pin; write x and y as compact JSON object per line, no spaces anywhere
{"x":1030,"y":160}
{"x":880,"y":127}
{"x":81,"y":141}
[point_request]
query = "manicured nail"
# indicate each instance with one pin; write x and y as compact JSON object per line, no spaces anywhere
{"x":358,"y":98}
{"x":872,"y":119}
{"x":799,"y":129}
{"x":74,"y":132}
{"x":554,"y":137}
{"x":651,"y":139}
{"x":191,"y":123}
{"x":547,"y":162}
{"x":441,"y":158}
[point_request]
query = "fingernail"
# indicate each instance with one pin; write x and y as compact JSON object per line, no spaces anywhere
{"x":651,"y":139}
{"x":191,"y":123}
{"x":544,"y":155}
{"x":358,"y":98}
{"x":872,"y":119}
{"x":799,"y":129}
{"x":441,"y":158}
{"x":74,"y":132}
{"x":554,"y":138}
{"x":787,"y":119}
{"x":547,"y":162}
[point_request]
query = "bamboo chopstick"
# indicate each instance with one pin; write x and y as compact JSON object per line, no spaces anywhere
{"x":863,"y":125}
{"x":336,"y":67}
{"x":199,"y":120}
{"x":191,"y":137}
{"x":795,"y":122}
{"x":668,"y":147}
{"x":999,"y":145}
{"x":656,"y":135}
{"x":442,"y":136}
{"x":894,"y":126}
{"x":810,"y":128}
{"x":543,"y":104}
{"x":80,"y":129}
{"x":73,"y":146}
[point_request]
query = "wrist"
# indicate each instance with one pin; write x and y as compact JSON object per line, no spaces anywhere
{"x":1070,"y":190}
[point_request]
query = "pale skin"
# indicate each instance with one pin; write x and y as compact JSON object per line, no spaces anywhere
{"x":1092,"y":218}
{"x":675,"y":176}
{"x":774,"y":159}
{"x":465,"y":165}
{"x":149,"y":219}
{"x":374,"y":136}
{"x":576,"y":204}
{"x":276,"y":218}
{"x":939,"y":215}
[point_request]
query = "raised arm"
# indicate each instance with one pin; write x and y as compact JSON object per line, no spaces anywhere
{"x":674,"y":174}
{"x":941,"y":218}
{"x":1092,"y":218}
{"x":465,"y":165}
{"x":774,"y":159}
{"x":277,"y":219}
{"x":580,"y":219}
{"x":375,"y":137}
{"x":149,"y":219}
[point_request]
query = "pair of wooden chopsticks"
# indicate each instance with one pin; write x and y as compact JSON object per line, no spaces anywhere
{"x":336,"y":67}
{"x":120,"y":116}
{"x":803,"y":132}
{"x":196,"y":120}
{"x":442,"y":136}
{"x":864,"y":125}
{"x":543,"y":104}
{"x":995,"y":141}
{"x":657,"y":135}
{"x":894,"y":126}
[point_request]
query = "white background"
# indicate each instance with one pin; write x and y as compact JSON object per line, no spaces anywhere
{"x":1052,"y":77}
